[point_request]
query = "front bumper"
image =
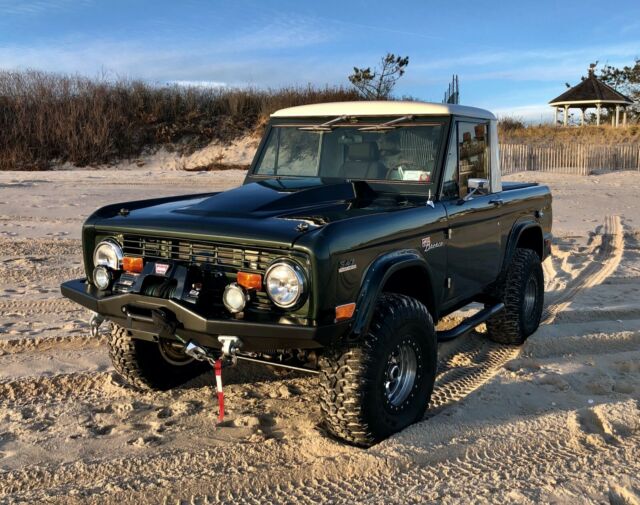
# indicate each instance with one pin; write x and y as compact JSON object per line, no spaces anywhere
{"x":131,"y":311}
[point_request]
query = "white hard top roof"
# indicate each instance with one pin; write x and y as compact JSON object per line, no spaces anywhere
{"x":382,"y":108}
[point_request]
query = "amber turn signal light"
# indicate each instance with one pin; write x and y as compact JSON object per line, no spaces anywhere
{"x":345,"y":311}
{"x":250,"y":281}
{"x":130,"y":264}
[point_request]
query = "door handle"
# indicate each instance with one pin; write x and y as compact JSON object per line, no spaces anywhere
{"x":498,"y":202}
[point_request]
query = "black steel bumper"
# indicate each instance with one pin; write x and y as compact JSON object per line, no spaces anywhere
{"x":128,"y":310}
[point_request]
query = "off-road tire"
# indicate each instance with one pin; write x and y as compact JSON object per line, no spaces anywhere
{"x":515,"y":323}
{"x":142,"y":365}
{"x":352,"y":395}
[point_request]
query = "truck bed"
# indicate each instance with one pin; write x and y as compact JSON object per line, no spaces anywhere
{"x":506,"y":186}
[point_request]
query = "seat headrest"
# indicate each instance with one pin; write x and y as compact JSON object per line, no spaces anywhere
{"x":366,"y":151}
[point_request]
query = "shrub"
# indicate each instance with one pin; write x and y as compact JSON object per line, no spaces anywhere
{"x":49,"y":118}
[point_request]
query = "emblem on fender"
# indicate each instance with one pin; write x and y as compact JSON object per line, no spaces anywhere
{"x":347,"y":265}
{"x":427,"y":245}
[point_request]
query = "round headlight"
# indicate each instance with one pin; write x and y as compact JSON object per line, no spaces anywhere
{"x":108,"y":253}
{"x":101,"y":277}
{"x":285,"y":283}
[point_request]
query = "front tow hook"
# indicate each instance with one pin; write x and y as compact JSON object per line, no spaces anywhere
{"x":94,"y":323}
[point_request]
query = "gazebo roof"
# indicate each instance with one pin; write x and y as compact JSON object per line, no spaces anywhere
{"x":591,"y":91}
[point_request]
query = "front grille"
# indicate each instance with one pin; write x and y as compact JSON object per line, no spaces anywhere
{"x":210,"y":256}
{"x":226,"y":258}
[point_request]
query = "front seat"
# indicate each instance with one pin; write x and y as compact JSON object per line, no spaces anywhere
{"x":363,"y":162}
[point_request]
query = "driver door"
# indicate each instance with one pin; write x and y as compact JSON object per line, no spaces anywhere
{"x":473,"y":248}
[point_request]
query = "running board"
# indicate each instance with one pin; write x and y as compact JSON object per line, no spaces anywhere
{"x":469,"y":324}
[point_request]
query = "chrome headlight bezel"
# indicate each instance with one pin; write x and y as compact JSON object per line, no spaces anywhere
{"x":108,"y":277}
{"x":297,"y":273}
{"x":115,"y":262}
{"x":230,"y":290}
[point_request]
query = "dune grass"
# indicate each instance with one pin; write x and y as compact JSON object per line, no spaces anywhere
{"x":514,"y":131}
{"x":48,"y":119}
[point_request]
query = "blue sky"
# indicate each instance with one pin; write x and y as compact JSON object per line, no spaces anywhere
{"x":512,"y":57}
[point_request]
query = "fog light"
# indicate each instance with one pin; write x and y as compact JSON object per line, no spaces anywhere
{"x":101,"y":277}
{"x":234,"y":298}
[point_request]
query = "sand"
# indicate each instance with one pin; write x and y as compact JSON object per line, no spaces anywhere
{"x":557,"y":420}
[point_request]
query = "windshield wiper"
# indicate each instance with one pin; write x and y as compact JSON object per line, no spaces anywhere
{"x":324,"y":127}
{"x":389,"y":125}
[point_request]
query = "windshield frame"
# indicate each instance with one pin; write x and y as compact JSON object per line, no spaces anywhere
{"x":394,"y":186}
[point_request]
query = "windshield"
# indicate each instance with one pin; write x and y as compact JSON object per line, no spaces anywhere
{"x":399,"y":153}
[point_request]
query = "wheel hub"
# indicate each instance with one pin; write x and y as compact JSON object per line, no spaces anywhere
{"x":400,"y":374}
{"x":173,"y":352}
{"x":530,"y":296}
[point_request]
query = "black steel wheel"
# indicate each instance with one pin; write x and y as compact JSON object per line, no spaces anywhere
{"x":372,"y":390}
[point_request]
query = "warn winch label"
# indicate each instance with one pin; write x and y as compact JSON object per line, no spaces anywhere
{"x":161,"y":269}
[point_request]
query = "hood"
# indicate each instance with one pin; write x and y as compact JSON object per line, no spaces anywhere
{"x":273,"y":212}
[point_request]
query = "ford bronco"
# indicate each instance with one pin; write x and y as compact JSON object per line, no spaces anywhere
{"x":358,"y":227}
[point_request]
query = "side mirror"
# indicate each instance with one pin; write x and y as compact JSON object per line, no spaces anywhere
{"x":477,"y":184}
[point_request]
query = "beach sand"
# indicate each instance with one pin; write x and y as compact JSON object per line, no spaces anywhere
{"x":555,"y":421}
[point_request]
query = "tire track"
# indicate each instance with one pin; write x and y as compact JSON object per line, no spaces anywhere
{"x":214,"y":476}
{"x":35,"y":307}
{"x":477,"y":359}
{"x":604,"y":264}
{"x":61,"y":387}
{"x":66,"y":342}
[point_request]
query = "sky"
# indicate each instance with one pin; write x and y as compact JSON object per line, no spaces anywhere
{"x":511,"y":57}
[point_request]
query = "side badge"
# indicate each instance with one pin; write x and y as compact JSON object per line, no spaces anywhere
{"x":427,"y":245}
{"x":347,"y":265}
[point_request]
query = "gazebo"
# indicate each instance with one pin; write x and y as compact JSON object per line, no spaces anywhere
{"x":592,"y":92}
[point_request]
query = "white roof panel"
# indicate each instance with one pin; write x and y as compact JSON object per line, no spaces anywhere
{"x":381,"y":108}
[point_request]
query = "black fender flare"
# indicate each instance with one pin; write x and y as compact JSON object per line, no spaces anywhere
{"x":378,"y":272}
{"x":514,"y":237}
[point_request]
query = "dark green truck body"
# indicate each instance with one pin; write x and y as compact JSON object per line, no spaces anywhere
{"x":353,"y":238}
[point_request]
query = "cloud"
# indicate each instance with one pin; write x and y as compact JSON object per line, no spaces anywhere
{"x":534,"y":64}
{"x":30,"y":8}
{"x":535,"y":113}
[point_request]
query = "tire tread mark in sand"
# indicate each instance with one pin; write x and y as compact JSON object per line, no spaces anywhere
{"x":61,"y":387}
{"x":454,"y":382}
{"x":51,"y":305}
{"x":27,"y":345}
{"x":603,"y":265}
{"x":451,"y":383}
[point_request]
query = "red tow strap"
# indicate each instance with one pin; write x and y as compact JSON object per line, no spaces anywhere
{"x":217,"y":368}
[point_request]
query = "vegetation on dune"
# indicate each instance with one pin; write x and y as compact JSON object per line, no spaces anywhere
{"x":514,"y":131}
{"x":49,"y":118}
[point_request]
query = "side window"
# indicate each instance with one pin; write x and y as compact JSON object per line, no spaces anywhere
{"x":473,"y":153}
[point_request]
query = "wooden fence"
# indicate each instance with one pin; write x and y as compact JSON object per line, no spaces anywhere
{"x":578,"y":159}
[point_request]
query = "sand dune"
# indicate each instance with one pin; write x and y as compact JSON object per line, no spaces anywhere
{"x":557,"y":420}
